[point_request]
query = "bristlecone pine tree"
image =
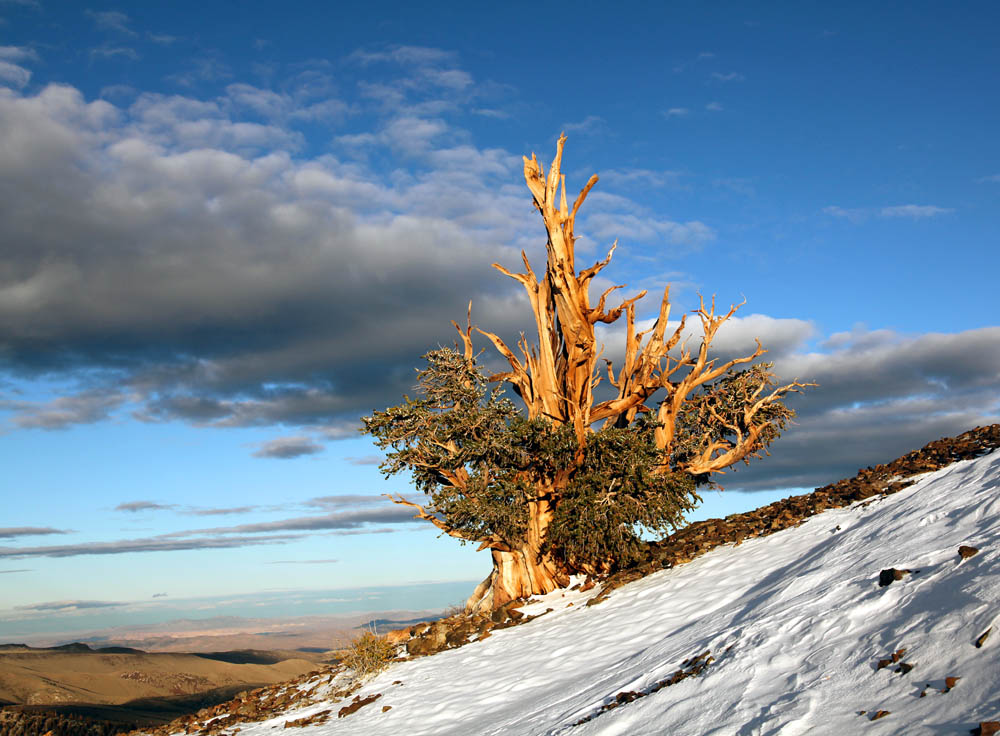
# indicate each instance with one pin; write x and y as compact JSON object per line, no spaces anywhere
{"x":567,"y":486}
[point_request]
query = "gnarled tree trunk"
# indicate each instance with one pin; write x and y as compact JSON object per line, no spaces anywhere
{"x":524,"y":571}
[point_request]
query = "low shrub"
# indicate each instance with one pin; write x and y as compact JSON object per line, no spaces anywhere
{"x":369,"y":654}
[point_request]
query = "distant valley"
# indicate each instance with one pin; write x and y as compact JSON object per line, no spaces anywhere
{"x":123,"y":678}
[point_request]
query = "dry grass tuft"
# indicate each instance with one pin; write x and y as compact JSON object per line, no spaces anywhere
{"x":369,"y":654}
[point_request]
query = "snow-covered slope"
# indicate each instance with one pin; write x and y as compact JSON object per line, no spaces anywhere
{"x":795,"y":624}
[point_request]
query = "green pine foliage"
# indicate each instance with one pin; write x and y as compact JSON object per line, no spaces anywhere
{"x":602,"y":504}
{"x":460,"y":425}
{"x":619,"y":491}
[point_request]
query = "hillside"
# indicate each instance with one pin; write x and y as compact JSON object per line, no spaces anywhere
{"x":881,"y":617}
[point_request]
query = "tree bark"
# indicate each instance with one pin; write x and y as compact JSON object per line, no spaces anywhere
{"x":523,"y":572}
{"x":518,"y":574}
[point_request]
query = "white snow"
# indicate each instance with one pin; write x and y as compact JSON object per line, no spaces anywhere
{"x":796,"y":622}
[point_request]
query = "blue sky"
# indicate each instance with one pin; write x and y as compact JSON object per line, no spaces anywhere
{"x":224,"y":236}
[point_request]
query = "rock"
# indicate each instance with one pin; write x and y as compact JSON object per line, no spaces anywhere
{"x":357,"y":704}
{"x":904,"y":668}
{"x":398,"y":636}
{"x":459,"y":633}
{"x":965,"y":552}
{"x":880,"y":714}
{"x":883,"y":663}
{"x":386,"y":708}
{"x":986,"y":728}
{"x":982,"y":638}
{"x":422,"y":646}
{"x":949,"y":683}
{"x":317,"y":718}
{"x":887,"y":577}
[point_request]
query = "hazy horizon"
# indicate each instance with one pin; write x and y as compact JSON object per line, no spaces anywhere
{"x":130,"y":619}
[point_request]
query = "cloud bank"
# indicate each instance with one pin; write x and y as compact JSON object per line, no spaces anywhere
{"x":193,"y":258}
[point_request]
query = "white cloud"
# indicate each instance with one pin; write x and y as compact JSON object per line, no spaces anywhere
{"x":111,"y":20}
{"x":676,"y":112}
{"x":649,"y":229}
{"x":111,"y":52}
{"x":491,"y":113}
{"x":455,"y":79}
{"x":640,"y":177}
{"x":16,"y":75}
{"x":714,"y":107}
{"x":404,"y":55}
{"x":18,"y":53}
{"x":728,"y":76}
{"x":856,"y":214}
{"x":915,"y":211}
{"x":301,"y":104}
{"x":590,"y":125}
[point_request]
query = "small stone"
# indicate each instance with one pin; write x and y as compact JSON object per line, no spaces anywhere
{"x":904,"y":668}
{"x":888,"y":576}
{"x":880,"y":714}
{"x":987,"y":728}
{"x":965,"y":551}
{"x":627,"y":697}
{"x":898,"y":655}
{"x":982,"y":638}
{"x":882,"y":663}
{"x":950,"y":682}
{"x":386,"y":708}
{"x":357,"y":704}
